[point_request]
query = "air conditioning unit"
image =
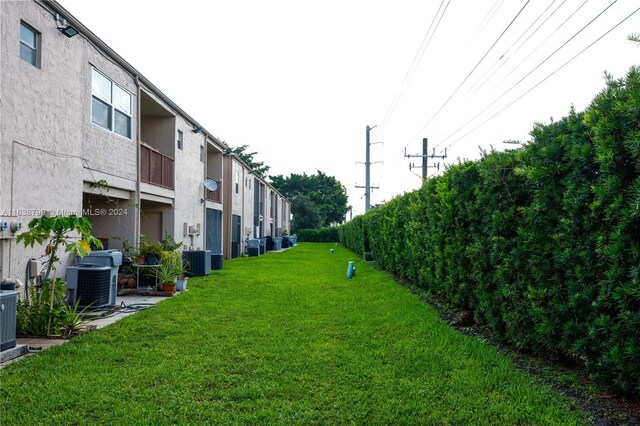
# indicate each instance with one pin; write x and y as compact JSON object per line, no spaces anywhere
{"x":8,"y":312}
{"x":253,"y":247}
{"x":110,"y":258}
{"x":197,"y":262}
{"x":90,"y":284}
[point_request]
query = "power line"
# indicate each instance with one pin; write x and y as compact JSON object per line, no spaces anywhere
{"x":526,"y":75}
{"x":489,"y":15}
{"x":545,"y":40}
{"x":473,"y":69}
{"x":543,"y":80}
{"x":414,"y":64}
{"x":501,"y":63}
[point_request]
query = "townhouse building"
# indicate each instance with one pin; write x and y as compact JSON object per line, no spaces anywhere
{"x":253,"y":208}
{"x":82,"y":131}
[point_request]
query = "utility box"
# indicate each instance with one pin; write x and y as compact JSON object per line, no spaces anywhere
{"x":90,"y":284}
{"x":216,"y":261}
{"x":8,"y":316}
{"x":110,"y":258}
{"x":197,"y":262}
{"x":253,"y":247}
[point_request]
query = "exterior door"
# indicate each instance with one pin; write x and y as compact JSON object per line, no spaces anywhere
{"x":235,"y":236}
{"x":214,"y":231}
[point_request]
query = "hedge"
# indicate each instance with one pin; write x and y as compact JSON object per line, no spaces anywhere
{"x":327,"y":234}
{"x":541,"y":243}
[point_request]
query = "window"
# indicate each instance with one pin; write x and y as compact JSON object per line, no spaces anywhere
{"x":180,"y":139}
{"x":201,"y":153}
{"x":110,"y":105}
{"x":237,"y":182}
{"x":29,"y":44}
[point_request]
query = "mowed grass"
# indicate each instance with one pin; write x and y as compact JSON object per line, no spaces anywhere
{"x":283,"y":338}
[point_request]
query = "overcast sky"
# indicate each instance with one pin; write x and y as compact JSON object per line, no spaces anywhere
{"x":299,"y":81}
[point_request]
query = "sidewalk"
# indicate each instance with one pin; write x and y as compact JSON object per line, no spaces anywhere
{"x":125,"y":306}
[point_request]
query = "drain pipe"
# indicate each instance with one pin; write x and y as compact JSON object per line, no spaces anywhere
{"x":138,"y":205}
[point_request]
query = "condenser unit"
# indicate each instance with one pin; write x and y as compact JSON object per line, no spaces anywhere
{"x":110,"y":258}
{"x":197,"y":262}
{"x":8,"y":311}
{"x":90,"y":284}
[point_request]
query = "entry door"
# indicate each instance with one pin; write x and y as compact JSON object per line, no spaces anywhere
{"x":235,"y":236}
{"x":214,"y":231}
{"x":151,"y":226}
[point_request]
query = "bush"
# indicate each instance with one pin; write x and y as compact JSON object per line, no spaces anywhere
{"x":327,"y":234}
{"x":542,"y":243}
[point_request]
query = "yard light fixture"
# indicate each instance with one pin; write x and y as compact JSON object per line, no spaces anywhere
{"x":65,"y":28}
{"x":69,"y":31}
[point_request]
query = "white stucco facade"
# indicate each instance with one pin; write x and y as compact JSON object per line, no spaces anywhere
{"x":56,"y":160}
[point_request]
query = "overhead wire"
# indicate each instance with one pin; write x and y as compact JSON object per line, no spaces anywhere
{"x":414,"y":64}
{"x":526,"y":75}
{"x":544,"y":79}
{"x":545,"y":40}
{"x":500,"y":63}
{"x":472,"y":70}
{"x":490,"y":15}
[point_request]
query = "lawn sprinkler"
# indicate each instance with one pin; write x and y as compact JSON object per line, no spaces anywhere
{"x":351,"y":270}
{"x":331,"y":251}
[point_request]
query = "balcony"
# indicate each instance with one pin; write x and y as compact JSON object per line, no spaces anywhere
{"x":155,"y":167}
{"x":215,"y":196}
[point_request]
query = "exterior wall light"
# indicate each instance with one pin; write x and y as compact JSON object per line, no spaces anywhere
{"x":69,"y":31}
{"x":65,"y":28}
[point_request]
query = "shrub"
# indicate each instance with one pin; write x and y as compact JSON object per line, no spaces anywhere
{"x":328,"y":234}
{"x":542,"y":243}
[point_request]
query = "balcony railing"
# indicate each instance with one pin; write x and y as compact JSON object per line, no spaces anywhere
{"x":215,"y":196}
{"x":155,"y":167}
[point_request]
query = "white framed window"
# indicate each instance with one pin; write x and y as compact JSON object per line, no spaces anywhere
{"x":237,"y":182}
{"x":110,"y":105}
{"x":180,"y":139}
{"x":29,"y":45}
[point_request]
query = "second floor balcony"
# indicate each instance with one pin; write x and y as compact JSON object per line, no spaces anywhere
{"x":155,"y":167}
{"x":215,"y":196}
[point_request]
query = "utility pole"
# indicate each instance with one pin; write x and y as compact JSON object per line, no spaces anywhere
{"x":367,"y":164}
{"x":425,"y":158}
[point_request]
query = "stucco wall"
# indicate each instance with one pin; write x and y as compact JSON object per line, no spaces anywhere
{"x":48,"y":145}
{"x":189,"y":192}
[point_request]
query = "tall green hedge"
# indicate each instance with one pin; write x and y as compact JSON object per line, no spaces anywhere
{"x":541,"y":243}
{"x":327,"y":234}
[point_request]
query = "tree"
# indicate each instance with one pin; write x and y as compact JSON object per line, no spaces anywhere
{"x":258,"y":166}
{"x":306,"y":214}
{"x":327,"y":194}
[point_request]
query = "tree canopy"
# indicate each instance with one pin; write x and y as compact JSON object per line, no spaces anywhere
{"x":258,"y":167}
{"x":324,"y":192}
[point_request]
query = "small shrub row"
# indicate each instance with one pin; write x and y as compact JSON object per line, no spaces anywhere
{"x":541,"y":243}
{"x":328,"y":234}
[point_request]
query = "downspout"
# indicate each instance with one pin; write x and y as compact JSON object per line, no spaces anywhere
{"x":138,"y":206}
{"x":242,"y":225}
{"x":203,"y":233}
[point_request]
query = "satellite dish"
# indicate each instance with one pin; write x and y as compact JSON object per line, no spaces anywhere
{"x":211,"y":184}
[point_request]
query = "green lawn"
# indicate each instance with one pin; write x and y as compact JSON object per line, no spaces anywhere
{"x":279,"y":339}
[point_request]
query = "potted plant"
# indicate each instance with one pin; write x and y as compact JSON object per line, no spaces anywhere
{"x":168,"y":270}
{"x":150,"y":250}
{"x":166,"y":275}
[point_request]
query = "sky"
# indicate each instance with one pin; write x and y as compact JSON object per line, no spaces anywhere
{"x":300,"y":81}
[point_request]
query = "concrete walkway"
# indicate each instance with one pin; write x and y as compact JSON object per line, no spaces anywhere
{"x":125,"y":306}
